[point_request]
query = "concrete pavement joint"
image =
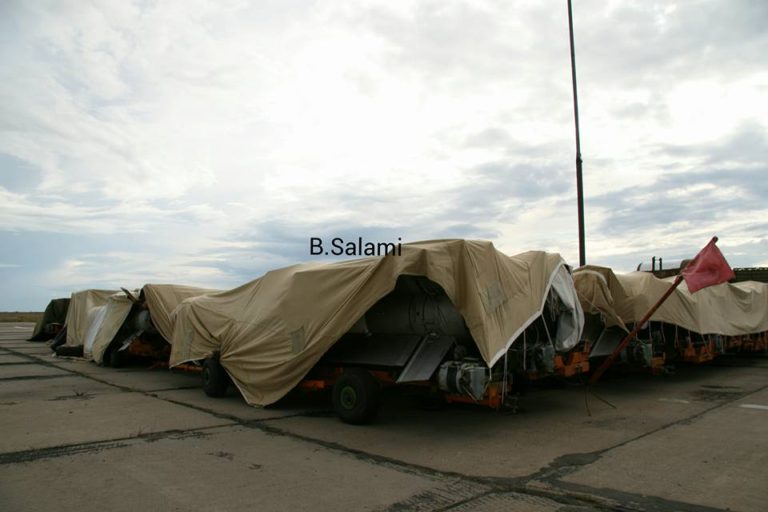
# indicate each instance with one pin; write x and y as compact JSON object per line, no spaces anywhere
{"x":33,"y":377}
{"x":567,"y":464}
{"x":492,"y":484}
{"x":10,"y":352}
{"x":58,"y":451}
{"x":572,"y":494}
{"x":372,"y":458}
{"x":179,"y":388}
{"x":198,"y":408}
{"x":634,"y":502}
{"x":98,"y":446}
{"x":44,"y":362}
{"x":464,"y":501}
{"x":446,"y":495}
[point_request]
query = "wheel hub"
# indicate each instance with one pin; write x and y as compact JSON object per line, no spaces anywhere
{"x":348,"y":397}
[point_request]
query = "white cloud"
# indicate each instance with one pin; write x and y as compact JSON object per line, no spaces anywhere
{"x":196,"y":129}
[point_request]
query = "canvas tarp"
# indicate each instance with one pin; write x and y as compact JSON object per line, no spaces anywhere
{"x":726,"y":309}
{"x":55,"y":313}
{"x":271,"y":331}
{"x":116,"y":310}
{"x":599,"y":291}
{"x":82,"y":311}
{"x":161,"y":300}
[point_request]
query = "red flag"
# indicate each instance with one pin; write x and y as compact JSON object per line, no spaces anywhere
{"x":707,"y":268}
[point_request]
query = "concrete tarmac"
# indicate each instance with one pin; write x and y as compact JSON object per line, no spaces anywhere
{"x":76,"y":436}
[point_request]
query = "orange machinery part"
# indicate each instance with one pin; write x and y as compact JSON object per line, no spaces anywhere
{"x":328,"y":379}
{"x":573,"y":363}
{"x":752,"y":343}
{"x":657,"y":363}
{"x":568,"y":365}
{"x":143,"y":349}
{"x":492,"y":399}
{"x":701,"y":354}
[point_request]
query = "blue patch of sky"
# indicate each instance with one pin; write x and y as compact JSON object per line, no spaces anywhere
{"x":16,"y":175}
{"x":24,"y":271}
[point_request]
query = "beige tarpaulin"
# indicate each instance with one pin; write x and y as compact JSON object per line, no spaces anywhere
{"x":162,"y":299}
{"x":726,"y":309}
{"x":117,"y":309}
{"x":82,"y":310}
{"x":271,"y":331}
{"x":599,"y":291}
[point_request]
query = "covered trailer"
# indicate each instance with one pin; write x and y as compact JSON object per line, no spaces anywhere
{"x":54,"y":318}
{"x":687,"y":327}
{"x":139,"y":323}
{"x":85,"y":315}
{"x":456,"y":313}
{"x":104,"y":326}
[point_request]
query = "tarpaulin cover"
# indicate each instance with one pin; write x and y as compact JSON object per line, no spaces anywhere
{"x":55,"y":313}
{"x":271,"y":331}
{"x":81,"y":312}
{"x":107,"y":325}
{"x":599,"y":291}
{"x":161,"y":300}
{"x":726,"y":309}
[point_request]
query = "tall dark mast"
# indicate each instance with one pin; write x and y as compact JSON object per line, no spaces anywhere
{"x":579,"y":180}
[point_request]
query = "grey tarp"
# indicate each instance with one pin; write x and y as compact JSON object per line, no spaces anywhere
{"x":271,"y":331}
{"x":726,"y":309}
{"x":55,"y":313}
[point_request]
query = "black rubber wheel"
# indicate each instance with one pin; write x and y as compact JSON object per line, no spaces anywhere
{"x":69,"y":351}
{"x":215,"y":378}
{"x":112,"y":358}
{"x":115,"y":358}
{"x":356,"y":396}
{"x":60,"y":339}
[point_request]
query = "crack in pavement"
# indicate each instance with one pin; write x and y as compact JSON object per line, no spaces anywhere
{"x":634,"y":502}
{"x":97,"y":446}
{"x":567,"y":464}
{"x":32,"y":377}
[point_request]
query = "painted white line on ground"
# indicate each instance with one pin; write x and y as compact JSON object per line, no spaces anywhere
{"x":674,"y":400}
{"x":754,"y":406}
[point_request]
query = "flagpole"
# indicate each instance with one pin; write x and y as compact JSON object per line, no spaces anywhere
{"x":638,"y":325}
{"x":579,"y":180}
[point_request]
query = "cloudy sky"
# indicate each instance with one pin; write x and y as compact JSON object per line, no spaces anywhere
{"x":203,"y":142}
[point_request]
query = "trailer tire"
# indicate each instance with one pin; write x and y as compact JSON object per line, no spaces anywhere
{"x":69,"y":351}
{"x":356,"y":397}
{"x":114,"y":358}
{"x":60,"y":339}
{"x":215,"y":378}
